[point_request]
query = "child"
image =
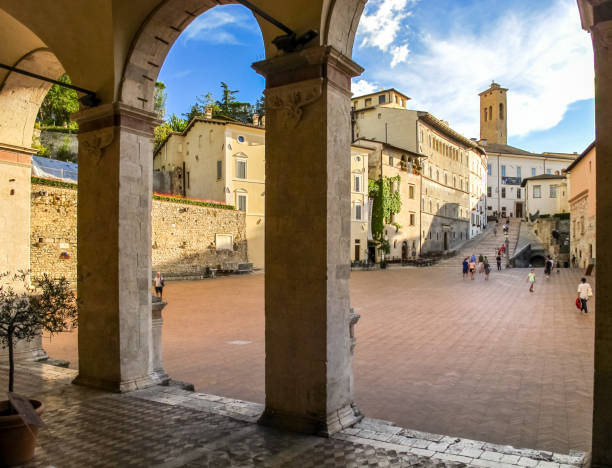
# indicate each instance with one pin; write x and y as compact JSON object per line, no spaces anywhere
{"x":472,"y":268}
{"x":531,"y":279}
{"x":466,"y":266}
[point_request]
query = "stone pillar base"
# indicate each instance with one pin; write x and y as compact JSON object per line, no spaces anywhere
{"x":114,"y":386}
{"x":159,"y":377}
{"x":335,"y":422}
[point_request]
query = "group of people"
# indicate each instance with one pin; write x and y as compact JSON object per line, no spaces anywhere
{"x":483,"y":267}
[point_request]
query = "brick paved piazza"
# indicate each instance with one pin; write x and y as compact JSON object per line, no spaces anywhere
{"x":480,"y":359}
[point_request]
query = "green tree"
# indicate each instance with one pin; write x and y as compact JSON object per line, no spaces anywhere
{"x":159,"y":99}
{"x":161,"y":132}
{"x":230,"y":107}
{"x":386,"y":203}
{"x":59,"y":103}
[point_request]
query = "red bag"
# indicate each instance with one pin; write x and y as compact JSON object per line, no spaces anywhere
{"x":578,"y":304}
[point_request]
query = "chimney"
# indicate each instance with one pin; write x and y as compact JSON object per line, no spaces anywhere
{"x":256,"y":119}
{"x":208,"y":112}
{"x":263,"y":120}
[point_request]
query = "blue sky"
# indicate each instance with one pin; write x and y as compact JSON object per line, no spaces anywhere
{"x":440,"y":53}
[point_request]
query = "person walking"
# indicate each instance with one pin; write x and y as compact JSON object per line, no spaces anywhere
{"x":466,"y":267}
{"x":158,"y":282}
{"x":584,"y":292}
{"x":472,"y":267}
{"x":495,"y":230}
{"x":531,"y":277}
{"x":547,"y":267}
{"x":498,"y":260}
{"x":487,"y":268}
{"x":480,"y":264}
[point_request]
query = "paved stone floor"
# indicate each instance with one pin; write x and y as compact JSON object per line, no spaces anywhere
{"x":170,"y":427}
{"x":484,"y":360}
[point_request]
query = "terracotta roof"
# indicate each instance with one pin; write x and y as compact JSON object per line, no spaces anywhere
{"x":541,"y":177}
{"x":418,"y":155}
{"x":381,"y":91}
{"x":581,"y":157}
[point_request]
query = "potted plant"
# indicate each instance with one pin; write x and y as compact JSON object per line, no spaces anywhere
{"x":26,"y":309}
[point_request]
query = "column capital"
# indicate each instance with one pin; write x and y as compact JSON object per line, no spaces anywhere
{"x":315,"y":62}
{"x":117,"y":114}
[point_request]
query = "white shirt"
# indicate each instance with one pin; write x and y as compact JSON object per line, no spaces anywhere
{"x":583,"y":289}
{"x":158,"y":282}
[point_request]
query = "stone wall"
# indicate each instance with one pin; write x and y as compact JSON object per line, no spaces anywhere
{"x":57,"y":142}
{"x":183,"y":235}
{"x":558,"y":248}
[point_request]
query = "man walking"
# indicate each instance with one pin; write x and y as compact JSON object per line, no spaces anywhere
{"x":584,"y":292}
{"x":498,"y":260}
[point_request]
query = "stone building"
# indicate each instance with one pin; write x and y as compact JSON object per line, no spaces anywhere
{"x":221,"y":160}
{"x":359,"y":202}
{"x":120,"y":50}
{"x":507,"y":165}
{"x":582,"y":204}
{"x":545,"y":195}
{"x":452,"y":186}
{"x":403,"y":230}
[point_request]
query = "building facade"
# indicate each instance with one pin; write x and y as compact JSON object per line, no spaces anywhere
{"x":545,"y":195}
{"x":452,"y":188}
{"x":223,"y":161}
{"x":582,"y":205}
{"x":359,"y":203}
{"x":507,"y":166}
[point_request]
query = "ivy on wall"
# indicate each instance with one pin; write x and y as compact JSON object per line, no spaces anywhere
{"x":386,"y":203}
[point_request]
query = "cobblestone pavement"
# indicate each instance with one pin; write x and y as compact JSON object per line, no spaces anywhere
{"x":485,"y":360}
{"x":170,"y":427}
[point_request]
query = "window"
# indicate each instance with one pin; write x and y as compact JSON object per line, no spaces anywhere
{"x":390,"y":160}
{"x":430,"y":172}
{"x":219,"y":170}
{"x":445,"y":179}
{"x":223,"y":241}
{"x":438,"y":175}
{"x":368,"y":102}
{"x":241,"y":169}
{"x":518,"y":170}
{"x":454,"y":181}
{"x":411,"y":191}
{"x":490,"y":112}
{"x":489,"y":192}
{"x":485,"y":114}
{"x":358,"y":211}
{"x":242,"y":202}
{"x":503,"y":171}
{"x":537,"y":191}
{"x":422,"y":204}
{"x":241,"y":139}
{"x":533,"y":172}
{"x":501,"y":111}
{"x":518,"y":193}
{"x":412,"y":219}
{"x":503,"y":192}
{"x":553,"y":191}
{"x":489,"y":169}
{"x":548,"y":171}
{"x":357,"y":183}
{"x":430,"y":206}
{"x":382,"y":99}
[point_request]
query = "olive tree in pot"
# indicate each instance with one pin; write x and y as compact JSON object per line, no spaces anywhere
{"x":28,"y":307}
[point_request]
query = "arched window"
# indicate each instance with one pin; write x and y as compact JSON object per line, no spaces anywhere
{"x":491,"y":112}
{"x":501,"y":111}
{"x":485,"y":114}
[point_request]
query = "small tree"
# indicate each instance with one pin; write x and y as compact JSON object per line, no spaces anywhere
{"x":46,"y":304}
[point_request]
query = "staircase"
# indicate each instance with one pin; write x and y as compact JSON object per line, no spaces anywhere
{"x":486,"y":244}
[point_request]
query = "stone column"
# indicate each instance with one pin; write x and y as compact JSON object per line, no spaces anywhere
{"x":15,"y":194}
{"x":601,"y":34}
{"x":307,"y":241}
{"x":158,"y":374}
{"x":114,"y":246}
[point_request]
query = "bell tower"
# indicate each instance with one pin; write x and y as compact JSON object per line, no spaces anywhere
{"x":493,"y":115}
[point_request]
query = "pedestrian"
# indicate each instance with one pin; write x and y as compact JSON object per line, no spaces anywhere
{"x":573,"y":261}
{"x":531,"y":280}
{"x":487,"y":268}
{"x":473,"y":258}
{"x":466,"y":267}
{"x":158,"y":282}
{"x":547,"y":267}
{"x":480,"y":264}
{"x":472,"y":266}
{"x":495,"y":230}
{"x":584,"y":292}
{"x":498,"y":260}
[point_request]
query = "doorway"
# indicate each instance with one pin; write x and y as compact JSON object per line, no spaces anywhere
{"x":518,"y":209}
{"x":404,"y":251}
{"x":445,"y":240}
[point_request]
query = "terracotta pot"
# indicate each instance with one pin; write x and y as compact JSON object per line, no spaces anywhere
{"x":16,"y":442}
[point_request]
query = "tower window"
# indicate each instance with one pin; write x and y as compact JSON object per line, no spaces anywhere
{"x":501,"y":111}
{"x":491,"y":112}
{"x":485,"y":114}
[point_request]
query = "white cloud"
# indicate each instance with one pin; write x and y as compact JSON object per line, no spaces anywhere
{"x":361,"y":87}
{"x":544,"y":58}
{"x":217,"y":26}
{"x":381,"y":28}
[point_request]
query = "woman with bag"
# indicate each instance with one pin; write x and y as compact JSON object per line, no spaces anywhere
{"x":584,"y":292}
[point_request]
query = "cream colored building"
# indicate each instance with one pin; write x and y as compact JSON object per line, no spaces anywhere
{"x":582,"y":182}
{"x":452,"y":188}
{"x":222,"y":161}
{"x":507,"y":165}
{"x":545,"y":195}
{"x":403,"y":229}
{"x":359,"y":203}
